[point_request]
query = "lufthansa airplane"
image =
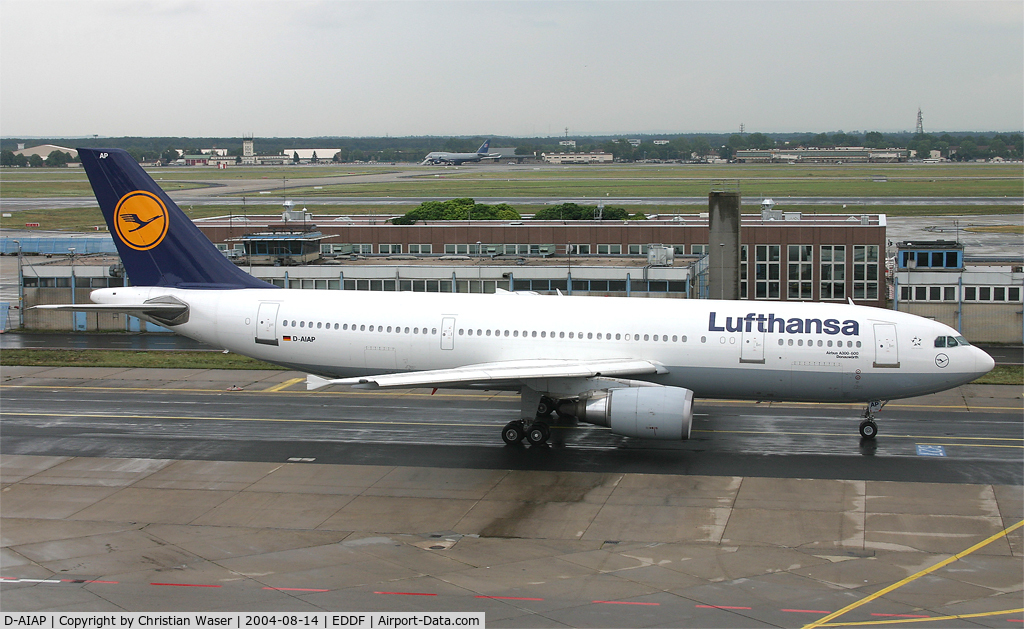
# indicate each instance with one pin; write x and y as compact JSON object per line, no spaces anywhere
{"x":443,"y":157}
{"x":631,"y":365}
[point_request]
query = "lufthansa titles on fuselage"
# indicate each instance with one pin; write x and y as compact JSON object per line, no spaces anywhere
{"x":771,"y":323}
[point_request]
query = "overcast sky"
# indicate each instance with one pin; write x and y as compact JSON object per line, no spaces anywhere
{"x":522,"y":68}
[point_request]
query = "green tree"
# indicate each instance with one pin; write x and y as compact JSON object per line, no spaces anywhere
{"x":35,"y":161}
{"x":295,"y":157}
{"x":701,"y":146}
{"x":760,"y":141}
{"x":58,"y":158}
{"x":874,"y":140}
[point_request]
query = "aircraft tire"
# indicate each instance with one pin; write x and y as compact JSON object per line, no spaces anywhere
{"x":546,"y":406}
{"x":538,"y":433}
{"x":868,"y":429}
{"x":513,"y":433}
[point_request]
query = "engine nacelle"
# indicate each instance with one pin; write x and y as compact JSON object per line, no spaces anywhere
{"x":645,"y":412}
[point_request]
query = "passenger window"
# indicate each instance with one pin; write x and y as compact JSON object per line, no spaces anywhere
{"x":318,"y":325}
{"x":674,"y":338}
{"x":829,"y":343}
{"x":599,"y":336}
{"x":285,"y":323}
{"x":858,"y":343}
{"x":819,"y":343}
{"x":684,"y":338}
{"x":703,"y":339}
{"x":515,"y":333}
{"x":940,"y":341}
{"x":800,"y":342}
{"x":780,"y":341}
{"x":543,"y":334}
{"x":311,"y":324}
{"x":534,"y":334}
{"x":415,"y":330}
{"x":302,"y":324}
{"x":561,"y":335}
{"x":618,"y":337}
{"x":647,"y":337}
{"x":433,"y":330}
{"x":362,"y":328}
{"x":506,"y":332}
{"x":479,"y":332}
{"x":570,"y":335}
{"x":791,"y":342}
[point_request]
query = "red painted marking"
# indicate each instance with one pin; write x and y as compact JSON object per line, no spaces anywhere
{"x":109,"y":582}
{"x":511,"y":598}
{"x":296,"y":590}
{"x":805,"y":611}
{"x":407,"y":593}
{"x":1014,"y":620}
{"x":718,"y":607}
{"x":624,"y":603}
{"x":187,"y":585}
{"x":900,"y":616}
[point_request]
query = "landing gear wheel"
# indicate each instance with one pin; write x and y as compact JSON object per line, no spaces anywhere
{"x":868,"y":429}
{"x":538,"y":433}
{"x":546,"y":406}
{"x":513,"y":433}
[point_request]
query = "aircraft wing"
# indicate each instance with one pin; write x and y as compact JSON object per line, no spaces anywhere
{"x":505,"y":371}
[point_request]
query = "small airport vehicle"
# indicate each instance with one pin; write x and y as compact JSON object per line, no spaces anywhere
{"x":629,"y":364}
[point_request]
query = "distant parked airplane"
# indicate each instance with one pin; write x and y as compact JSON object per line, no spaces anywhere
{"x":444,"y":157}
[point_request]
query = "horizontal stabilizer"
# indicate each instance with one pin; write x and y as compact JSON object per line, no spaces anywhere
{"x":162,"y":309}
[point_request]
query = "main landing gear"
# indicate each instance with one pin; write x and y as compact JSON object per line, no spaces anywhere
{"x":535,"y":430}
{"x":536,"y":433}
{"x":868,"y":427}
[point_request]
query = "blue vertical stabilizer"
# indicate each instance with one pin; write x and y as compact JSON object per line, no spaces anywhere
{"x":158,"y":244}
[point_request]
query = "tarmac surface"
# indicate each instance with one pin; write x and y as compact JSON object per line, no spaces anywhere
{"x":154,"y":490}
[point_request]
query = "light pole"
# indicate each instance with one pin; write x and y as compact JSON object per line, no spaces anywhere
{"x":71,"y":252}
{"x":21,"y":290}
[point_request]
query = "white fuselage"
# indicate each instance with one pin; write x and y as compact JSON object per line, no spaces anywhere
{"x":719,"y":349}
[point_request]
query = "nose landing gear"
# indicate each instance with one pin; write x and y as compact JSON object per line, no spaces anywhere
{"x":868,"y":427}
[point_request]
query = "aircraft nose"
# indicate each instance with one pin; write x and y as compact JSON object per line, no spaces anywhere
{"x":983,"y":363}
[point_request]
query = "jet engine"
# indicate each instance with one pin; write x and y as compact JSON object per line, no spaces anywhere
{"x":645,"y":412}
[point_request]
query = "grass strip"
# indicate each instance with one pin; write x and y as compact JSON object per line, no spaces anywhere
{"x":130,"y":359}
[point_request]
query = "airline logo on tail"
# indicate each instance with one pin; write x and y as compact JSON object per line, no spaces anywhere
{"x":140,"y":220}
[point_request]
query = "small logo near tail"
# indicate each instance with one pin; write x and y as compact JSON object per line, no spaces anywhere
{"x":140,"y":220}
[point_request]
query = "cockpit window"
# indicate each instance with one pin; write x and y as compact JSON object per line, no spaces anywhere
{"x":940,"y":341}
{"x":962,"y":340}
